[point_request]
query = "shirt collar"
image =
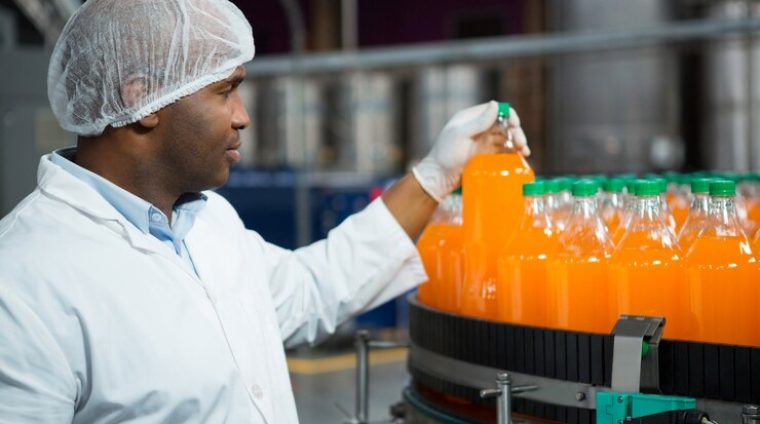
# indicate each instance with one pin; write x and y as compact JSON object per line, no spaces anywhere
{"x":136,"y":210}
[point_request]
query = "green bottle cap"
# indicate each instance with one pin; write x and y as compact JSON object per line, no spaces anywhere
{"x":672,"y":177}
{"x":662,"y":183}
{"x":700,"y":185}
{"x":565,"y":183}
{"x":630,"y":186}
{"x":614,"y":185}
{"x":647,"y":188}
{"x":730,"y":176}
{"x":504,"y":109}
{"x":551,"y":187}
{"x":723,"y":188}
{"x":533,"y":189}
{"x":585,"y":188}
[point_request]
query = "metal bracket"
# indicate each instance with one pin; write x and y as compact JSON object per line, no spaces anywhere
{"x":503,"y":392}
{"x":363,"y":345}
{"x":751,"y":414}
{"x":635,"y":362}
{"x":548,"y":390}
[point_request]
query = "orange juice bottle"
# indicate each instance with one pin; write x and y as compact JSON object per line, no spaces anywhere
{"x":678,"y":198}
{"x":440,"y":247}
{"x":577,"y":273}
{"x":492,"y":209}
{"x":666,"y":212}
{"x":560,"y":214}
{"x":521,"y":283}
{"x":752,"y":201}
{"x":553,"y":203}
{"x":697,"y":218}
{"x":612,"y":203}
{"x":723,"y":276}
{"x":645,"y":268}
{"x":627,"y":214}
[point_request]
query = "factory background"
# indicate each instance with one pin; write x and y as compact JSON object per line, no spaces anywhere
{"x":345,"y":95}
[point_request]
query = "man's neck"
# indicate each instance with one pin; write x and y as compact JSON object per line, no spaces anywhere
{"x":122,"y":168}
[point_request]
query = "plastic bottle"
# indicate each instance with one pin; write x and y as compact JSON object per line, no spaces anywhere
{"x":521,"y":295}
{"x":645,"y":270}
{"x":440,"y":247}
{"x":612,"y":203}
{"x":627,"y":214}
{"x":492,"y":207}
{"x":577,"y":298}
{"x":678,"y":198}
{"x":723,"y":276}
{"x":695,"y":221}
{"x":560,"y":213}
{"x":664,"y":208}
{"x":751,"y":195}
{"x":552,"y":203}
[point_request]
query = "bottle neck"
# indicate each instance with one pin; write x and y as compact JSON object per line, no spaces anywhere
{"x":502,"y":126}
{"x":648,"y":208}
{"x":722,"y":218}
{"x":585,"y":207}
{"x":614,"y":200}
{"x":700,"y":203}
{"x":535,"y":213}
{"x":534,"y":205}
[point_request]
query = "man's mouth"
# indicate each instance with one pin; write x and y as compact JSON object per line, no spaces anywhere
{"x":232,"y":153}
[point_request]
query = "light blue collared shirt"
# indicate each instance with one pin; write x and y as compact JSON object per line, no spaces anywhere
{"x":146,"y":217}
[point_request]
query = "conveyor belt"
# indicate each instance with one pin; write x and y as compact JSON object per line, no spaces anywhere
{"x":700,"y":370}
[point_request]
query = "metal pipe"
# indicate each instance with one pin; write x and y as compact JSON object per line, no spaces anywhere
{"x":504,"y":406}
{"x":361,"y":413}
{"x":348,"y":24}
{"x":502,"y":47}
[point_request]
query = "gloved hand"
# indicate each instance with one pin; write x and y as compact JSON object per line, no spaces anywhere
{"x":464,"y":136}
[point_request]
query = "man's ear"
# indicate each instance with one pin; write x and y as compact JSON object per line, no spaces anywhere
{"x":150,"y":121}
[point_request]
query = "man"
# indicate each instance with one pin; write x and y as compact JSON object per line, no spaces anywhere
{"x":128,"y":292}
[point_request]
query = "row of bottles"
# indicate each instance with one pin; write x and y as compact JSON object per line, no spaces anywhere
{"x":580,"y":258}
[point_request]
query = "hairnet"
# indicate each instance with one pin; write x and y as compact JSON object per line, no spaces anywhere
{"x":118,"y":61}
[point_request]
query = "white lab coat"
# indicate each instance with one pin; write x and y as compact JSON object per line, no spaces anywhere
{"x":101,"y":323}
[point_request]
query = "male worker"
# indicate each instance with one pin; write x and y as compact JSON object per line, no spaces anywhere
{"x":128,"y":292}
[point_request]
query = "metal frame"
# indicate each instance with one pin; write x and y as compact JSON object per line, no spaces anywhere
{"x":499,"y":48}
{"x":546,"y":390}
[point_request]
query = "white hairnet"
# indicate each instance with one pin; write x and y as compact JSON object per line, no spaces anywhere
{"x":118,"y":61}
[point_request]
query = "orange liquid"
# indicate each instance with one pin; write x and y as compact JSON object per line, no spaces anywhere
{"x":618,"y":233}
{"x":679,"y":214}
{"x":613,"y":222}
{"x":440,"y":247}
{"x":522,"y":281}
{"x":647,"y":279}
{"x":753,"y":216}
{"x":492,"y":208}
{"x":723,"y":279}
{"x":578,"y":292}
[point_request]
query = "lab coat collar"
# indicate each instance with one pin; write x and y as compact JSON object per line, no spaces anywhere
{"x":57,"y":183}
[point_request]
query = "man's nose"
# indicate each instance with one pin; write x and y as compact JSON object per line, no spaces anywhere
{"x":240,"y":118}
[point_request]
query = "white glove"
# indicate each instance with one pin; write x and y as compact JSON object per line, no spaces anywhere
{"x":464,"y":136}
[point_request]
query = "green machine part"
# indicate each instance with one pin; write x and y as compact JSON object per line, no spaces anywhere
{"x":613,"y":407}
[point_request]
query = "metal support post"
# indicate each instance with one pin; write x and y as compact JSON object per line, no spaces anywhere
{"x":361,"y":412}
{"x":363,"y":345}
{"x":503,"y":392}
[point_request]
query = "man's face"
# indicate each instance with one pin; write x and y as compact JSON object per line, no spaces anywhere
{"x":199,"y":140}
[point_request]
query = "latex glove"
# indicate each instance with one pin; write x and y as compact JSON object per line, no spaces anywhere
{"x":464,"y":136}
